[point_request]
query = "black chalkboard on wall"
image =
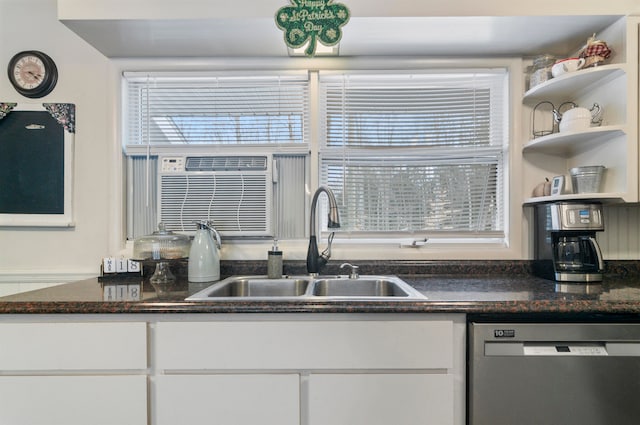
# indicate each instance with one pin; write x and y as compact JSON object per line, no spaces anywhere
{"x":36,"y":156}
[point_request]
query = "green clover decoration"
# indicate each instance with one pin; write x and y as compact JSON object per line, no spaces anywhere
{"x":314,"y":20}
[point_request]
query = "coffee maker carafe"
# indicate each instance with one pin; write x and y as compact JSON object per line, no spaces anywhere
{"x":566,"y":249}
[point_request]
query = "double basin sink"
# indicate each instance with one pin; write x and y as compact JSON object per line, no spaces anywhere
{"x":306,"y":287}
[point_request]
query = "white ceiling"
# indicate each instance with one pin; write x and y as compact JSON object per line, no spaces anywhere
{"x":372,"y":36}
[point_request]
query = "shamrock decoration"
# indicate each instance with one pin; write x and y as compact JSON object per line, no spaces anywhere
{"x":312,"y":20}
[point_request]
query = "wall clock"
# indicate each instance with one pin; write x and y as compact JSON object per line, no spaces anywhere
{"x":32,"y":73}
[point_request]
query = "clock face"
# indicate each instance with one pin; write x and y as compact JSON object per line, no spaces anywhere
{"x":32,"y":73}
{"x":29,"y":72}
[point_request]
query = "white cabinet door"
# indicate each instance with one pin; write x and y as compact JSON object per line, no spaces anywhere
{"x":73,"y":400}
{"x":321,"y":370}
{"x":380,"y":399}
{"x":234,"y":399}
{"x":286,"y":345}
{"x":73,"y":346}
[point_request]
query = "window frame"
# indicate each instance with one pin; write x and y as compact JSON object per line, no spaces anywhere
{"x":345,"y":246}
{"x":362,"y":152}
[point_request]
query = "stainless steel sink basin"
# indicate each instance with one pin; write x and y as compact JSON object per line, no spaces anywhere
{"x":305,"y":287}
{"x":254,"y":286}
{"x":362,"y":287}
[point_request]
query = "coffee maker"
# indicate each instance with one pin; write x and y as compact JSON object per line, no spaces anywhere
{"x":565,"y":243}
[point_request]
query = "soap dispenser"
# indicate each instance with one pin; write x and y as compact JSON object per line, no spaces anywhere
{"x":274,"y":262}
{"x":204,"y":256}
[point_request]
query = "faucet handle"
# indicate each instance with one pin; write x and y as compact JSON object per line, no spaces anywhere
{"x":354,"y":270}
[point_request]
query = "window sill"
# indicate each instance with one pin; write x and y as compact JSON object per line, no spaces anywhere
{"x":357,"y":250}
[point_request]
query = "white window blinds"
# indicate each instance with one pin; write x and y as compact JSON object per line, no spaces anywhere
{"x":184,"y":114}
{"x":231,"y":109}
{"x":416,"y":153}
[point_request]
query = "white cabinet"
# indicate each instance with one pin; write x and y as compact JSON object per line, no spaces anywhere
{"x":59,"y":346}
{"x":73,"y":400}
{"x":326,"y":369}
{"x":73,"y":373}
{"x":346,"y":342}
{"x":380,"y":399}
{"x":235,"y":369}
{"x":614,"y":86}
{"x":229,"y":399}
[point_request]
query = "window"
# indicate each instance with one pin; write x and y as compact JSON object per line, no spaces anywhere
{"x":417,"y":154}
{"x":195,"y":108}
{"x":240,"y":147}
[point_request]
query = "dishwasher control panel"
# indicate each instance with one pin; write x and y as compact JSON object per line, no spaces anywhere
{"x":564,"y":350}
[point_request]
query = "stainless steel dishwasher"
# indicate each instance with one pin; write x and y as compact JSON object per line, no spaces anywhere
{"x":554,"y":374}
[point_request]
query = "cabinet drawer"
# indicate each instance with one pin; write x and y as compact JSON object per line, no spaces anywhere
{"x":227,"y":399}
{"x":380,"y":399}
{"x":343,"y":344}
{"x":73,"y":346}
{"x":73,"y":400}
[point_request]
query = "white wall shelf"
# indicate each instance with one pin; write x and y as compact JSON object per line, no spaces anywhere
{"x":567,"y":142}
{"x":605,"y":198}
{"x":614,"y":86}
{"x":572,"y":84}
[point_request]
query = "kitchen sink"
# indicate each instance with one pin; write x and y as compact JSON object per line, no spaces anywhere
{"x":305,"y":287}
{"x":255,"y":286}
{"x":360,"y":287}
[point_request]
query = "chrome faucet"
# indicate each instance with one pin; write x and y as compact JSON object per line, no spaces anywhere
{"x":315,"y":260}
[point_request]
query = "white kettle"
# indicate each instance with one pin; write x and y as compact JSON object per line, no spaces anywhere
{"x":578,"y":119}
{"x":204,"y":255}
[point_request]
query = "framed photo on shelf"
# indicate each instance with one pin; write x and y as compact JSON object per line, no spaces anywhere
{"x":557,"y":185}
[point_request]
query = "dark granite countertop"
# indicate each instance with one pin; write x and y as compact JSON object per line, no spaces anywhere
{"x":481,"y":288}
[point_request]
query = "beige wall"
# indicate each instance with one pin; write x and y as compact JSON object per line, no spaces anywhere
{"x":87,"y":79}
{"x":61,"y":253}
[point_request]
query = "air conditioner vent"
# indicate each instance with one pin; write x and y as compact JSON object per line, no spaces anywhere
{"x":226,"y":163}
{"x":234,"y":192}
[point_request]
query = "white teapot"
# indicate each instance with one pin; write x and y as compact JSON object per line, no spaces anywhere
{"x":578,"y":119}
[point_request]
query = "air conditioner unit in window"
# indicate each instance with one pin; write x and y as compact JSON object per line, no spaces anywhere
{"x":234,"y":192}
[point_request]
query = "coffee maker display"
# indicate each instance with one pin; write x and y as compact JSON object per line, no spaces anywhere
{"x":566,"y":249}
